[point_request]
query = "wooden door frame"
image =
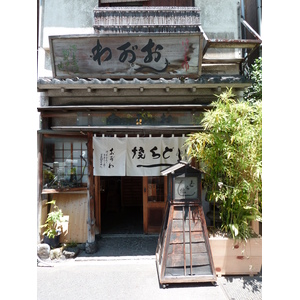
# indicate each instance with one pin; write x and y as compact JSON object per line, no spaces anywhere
{"x":147,"y":205}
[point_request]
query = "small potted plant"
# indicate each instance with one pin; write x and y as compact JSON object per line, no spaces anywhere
{"x":52,"y":224}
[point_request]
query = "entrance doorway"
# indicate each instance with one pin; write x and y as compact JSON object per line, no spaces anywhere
{"x":121,"y":205}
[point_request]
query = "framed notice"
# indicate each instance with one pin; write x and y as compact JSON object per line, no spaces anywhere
{"x":186,"y":188}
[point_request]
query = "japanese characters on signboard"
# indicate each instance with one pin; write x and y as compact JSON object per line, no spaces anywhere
{"x":136,"y":156}
{"x":125,"y":56}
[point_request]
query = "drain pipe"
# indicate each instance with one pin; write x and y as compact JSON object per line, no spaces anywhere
{"x":259,"y":19}
{"x":244,"y":18}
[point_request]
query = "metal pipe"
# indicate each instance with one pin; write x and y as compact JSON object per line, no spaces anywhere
{"x":259,"y":15}
{"x":243,"y":17}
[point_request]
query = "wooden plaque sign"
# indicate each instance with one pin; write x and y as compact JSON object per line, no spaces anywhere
{"x":127,"y":56}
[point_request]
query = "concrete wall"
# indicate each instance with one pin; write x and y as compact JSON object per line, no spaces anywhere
{"x":219,"y":19}
{"x":62,"y":17}
{"x":66,"y":17}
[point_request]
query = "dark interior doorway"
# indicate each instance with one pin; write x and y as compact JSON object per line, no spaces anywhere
{"x":121,"y":205}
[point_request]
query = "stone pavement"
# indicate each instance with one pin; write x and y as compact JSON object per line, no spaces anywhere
{"x":140,"y":248}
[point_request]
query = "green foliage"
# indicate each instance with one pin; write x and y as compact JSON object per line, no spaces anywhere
{"x":71,"y":244}
{"x":254,"y":92}
{"x":52,"y":221}
{"x":230,"y":150}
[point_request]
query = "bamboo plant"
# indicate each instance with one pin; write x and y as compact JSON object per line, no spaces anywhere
{"x":230,"y":150}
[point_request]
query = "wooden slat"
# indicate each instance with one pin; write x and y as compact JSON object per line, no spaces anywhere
{"x":178,"y":248}
{"x":195,"y":226}
{"x":127,"y":129}
{"x":89,"y":108}
{"x":177,"y":213}
{"x":177,"y":237}
{"x":177,"y":260}
{"x":74,"y":206}
{"x":222,"y":61}
{"x":233,"y":43}
{"x":197,"y":270}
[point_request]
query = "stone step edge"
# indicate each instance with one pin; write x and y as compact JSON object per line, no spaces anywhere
{"x":115,"y":258}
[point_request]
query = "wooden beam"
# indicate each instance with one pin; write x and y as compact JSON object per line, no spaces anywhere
{"x":88,"y":108}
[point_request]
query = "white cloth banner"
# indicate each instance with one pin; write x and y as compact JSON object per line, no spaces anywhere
{"x":136,"y":156}
{"x":143,"y":156}
{"x":109,"y":156}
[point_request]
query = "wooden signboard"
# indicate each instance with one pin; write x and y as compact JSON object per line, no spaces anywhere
{"x":183,"y":251}
{"x":126,"y":56}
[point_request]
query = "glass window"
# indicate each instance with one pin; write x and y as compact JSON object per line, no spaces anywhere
{"x":64,"y":163}
{"x":132,"y":118}
{"x":155,"y":189}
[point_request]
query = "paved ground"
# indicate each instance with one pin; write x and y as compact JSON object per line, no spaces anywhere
{"x":124,"y":268}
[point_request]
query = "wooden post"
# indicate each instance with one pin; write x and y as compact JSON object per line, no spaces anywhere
{"x":98,"y":203}
{"x":145,"y":204}
{"x":91,"y":246}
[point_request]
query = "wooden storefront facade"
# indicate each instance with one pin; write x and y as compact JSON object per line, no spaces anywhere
{"x":137,"y":84}
{"x":84,"y":201}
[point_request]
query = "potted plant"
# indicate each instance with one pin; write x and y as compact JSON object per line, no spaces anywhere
{"x":52,"y":226}
{"x":229,"y":150}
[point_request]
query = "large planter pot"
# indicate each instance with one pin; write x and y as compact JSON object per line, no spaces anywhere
{"x":233,"y":258}
{"x":52,"y":242}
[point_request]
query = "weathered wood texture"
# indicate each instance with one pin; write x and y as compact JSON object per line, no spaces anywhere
{"x":97,"y":204}
{"x":128,"y":56}
{"x":74,"y":205}
{"x":125,"y":19}
{"x":232,"y":258}
{"x":153,"y":212}
{"x":91,"y":192}
{"x":183,"y":253}
{"x":152,"y":2}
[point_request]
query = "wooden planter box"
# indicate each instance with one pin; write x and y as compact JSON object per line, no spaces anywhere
{"x":232,"y":258}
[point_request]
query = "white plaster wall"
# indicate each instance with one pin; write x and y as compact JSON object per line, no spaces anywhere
{"x":66,"y":17}
{"x":220,"y":18}
{"x":59,"y":17}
